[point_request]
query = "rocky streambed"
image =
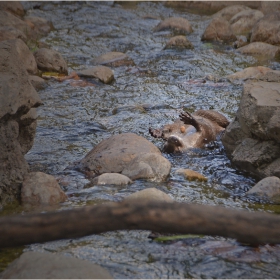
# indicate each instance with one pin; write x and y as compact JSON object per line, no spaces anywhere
{"x":160,"y":76}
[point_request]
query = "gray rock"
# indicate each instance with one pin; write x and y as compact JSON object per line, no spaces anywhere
{"x":50,"y":61}
{"x":151,"y":166}
{"x":14,"y":7}
{"x":113,"y":59}
{"x":41,"y":26}
{"x":114,"y":154}
{"x":37,"y":82}
{"x":9,"y":33}
{"x":228,"y":12}
{"x":219,"y":29}
{"x":240,"y":42}
{"x":252,"y":140}
{"x":267,"y":29}
{"x":267,"y":188}
{"x":17,"y":97}
{"x":40,"y":188}
{"x":103,"y":73}
{"x":244,"y":21}
{"x":36,"y":265}
{"x":148,"y":195}
{"x":179,"y":42}
{"x":111,"y":179}
{"x":177,"y":24}
{"x":260,"y":49}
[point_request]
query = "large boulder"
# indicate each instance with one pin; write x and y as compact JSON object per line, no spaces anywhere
{"x":116,"y":153}
{"x":260,"y":49}
{"x":267,"y":29}
{"x":228,"y":12}
{"x":220,"y":30}
{"x":41,"y":189}
{"x":150,"y":166}
{"x":9,"y":32}
{"x":178,"y":24}
{"x":40,"y":26}
{"x":267,"y":189}
{"x":17,"y":97}
{"x":268,"y":7}
{"x":14,"y":7}
{"x":50,"y":61}
{"x":244,"y":21}
{"x":252,"y":139}
{"x":37,"y":265}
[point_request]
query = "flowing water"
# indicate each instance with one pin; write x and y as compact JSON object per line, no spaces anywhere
{"x":74,"y":119}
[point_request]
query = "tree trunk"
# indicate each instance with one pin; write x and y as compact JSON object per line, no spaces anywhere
{"x":246,"y":227}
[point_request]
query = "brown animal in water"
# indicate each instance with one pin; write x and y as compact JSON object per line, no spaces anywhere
{"x":191,"y":130}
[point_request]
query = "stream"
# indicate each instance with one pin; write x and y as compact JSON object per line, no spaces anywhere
{"x":152,"y":93}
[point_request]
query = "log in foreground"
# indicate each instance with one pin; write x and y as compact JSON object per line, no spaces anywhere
{"x":246,"y":227}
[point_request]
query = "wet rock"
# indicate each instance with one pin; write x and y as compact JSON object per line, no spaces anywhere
{"x":50,"y":61}
{"x":17,"y":97}
{"x":180,"y":42}
{"x":267,"y":189}
{"x":228,"y":12}
{"x":26,"y":57}
{"x":9,"y":33}
{"x":240,"y":42}
{"x":150,"y":166}
{"x":252,"y":140}
{"x":191,"y":175}
{"x":40,"y":25}
{"x":37,"y":265}
{"x":114,"y":154}
{"x":37,"y":82}
{"x":40,"y":188}
{"x":14,"y":7}
{"x":103,"y":73}
{"x":261,"y":49}
{"x":149,"y":195}
{"x":7,"y":19}
{"x":113,"y":59}
{"x":259,"y":73}
{"x":267,"y":29}
{"x":218,"y":29}
{"x":177,"y":24}
{"x":111,"y":179}
{"x":244,"y":21}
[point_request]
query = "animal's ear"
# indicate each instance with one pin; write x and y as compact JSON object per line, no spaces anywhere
{"x":157,"y":133}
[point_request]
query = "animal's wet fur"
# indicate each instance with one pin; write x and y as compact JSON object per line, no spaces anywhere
{"x":191,"y":130}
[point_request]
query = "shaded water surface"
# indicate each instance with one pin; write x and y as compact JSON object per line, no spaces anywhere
{"x":74,"y":119}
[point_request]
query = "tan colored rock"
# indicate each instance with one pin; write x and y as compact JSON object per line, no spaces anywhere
{"x":260,"y":49}
{"x":150,"y":166}
{"x":37,"y":265}
{"x":180,"y":42}
{"x":103,"y":73}
{"x":228,"y":12}
{"x":114,"y":154}
{"x":111,"y":179}
{"x":268,"y":7}
{"x":37,"y":82}
{"x":191,"y":175}
{"x":9,"y":33}
{"x":177,"y":24}
{"x":40,"y":188}
{"x":14,"y":7}
{"x":113,"y":59}
{"x":244,"y":21}
{"x":218,"y":29}
{"x":40,"y":25}
{"x":50,"y":61}
{"x":149,"y":195}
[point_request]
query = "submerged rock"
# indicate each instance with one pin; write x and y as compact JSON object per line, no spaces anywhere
{"x":179,"y":42}
{"x":37,"y":265}
{"x":149,"y":195}
{"x":219,"y":29}
{"x":114,"y":59}
{"x":50,"y":61}
{"x":177,"y":24}
{"x":40,"y":188}
{"x":191,"y":175}
{"x":150,"y":166}
{"x":267,"y":189}
{"x":111,"y":179}
{"x":103,"y":73}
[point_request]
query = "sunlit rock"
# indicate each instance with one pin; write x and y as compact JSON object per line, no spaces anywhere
{"x":111,"y":179}
{"x":103,"y":73}
{"x":177,"y":24}
{"x":191,"y":175}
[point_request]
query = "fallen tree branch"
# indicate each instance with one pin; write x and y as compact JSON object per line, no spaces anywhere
{"x":246,"y":227}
